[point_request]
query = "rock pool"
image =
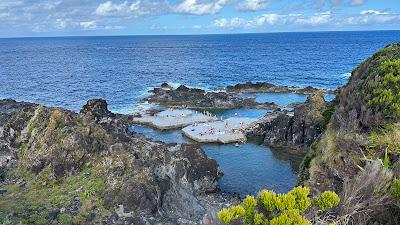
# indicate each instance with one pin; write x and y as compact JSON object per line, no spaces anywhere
{"x":247,"y":169}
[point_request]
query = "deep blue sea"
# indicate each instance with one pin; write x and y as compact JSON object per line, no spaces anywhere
{"x":66,"y":72}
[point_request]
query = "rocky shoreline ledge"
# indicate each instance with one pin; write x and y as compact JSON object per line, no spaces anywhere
{"x":194,"y":98}
{"x":88,"y":166}
{"x":296,"y":129}
{"x":265,"y":87}
{"x":225,"y":98}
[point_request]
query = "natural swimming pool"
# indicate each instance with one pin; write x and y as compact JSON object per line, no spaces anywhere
{"x":248,"y":168}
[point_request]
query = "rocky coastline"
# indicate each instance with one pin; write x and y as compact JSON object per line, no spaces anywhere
{"x":123,"y":177}
{"x":265,"y":87}
{"x":225,"y":98}
{"x":296,"y":129}
{"x":64,"y":167}
{"x":194,"y":98}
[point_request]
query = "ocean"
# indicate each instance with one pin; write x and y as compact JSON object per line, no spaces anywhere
{"x":67,"y":71}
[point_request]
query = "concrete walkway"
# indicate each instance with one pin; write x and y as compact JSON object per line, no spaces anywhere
{"x":227,"y":131}
{"x":173,"y":119}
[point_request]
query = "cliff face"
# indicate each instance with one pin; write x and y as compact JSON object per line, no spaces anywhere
{"x":297,"y":129}
{"x":58,"y":166}
{"x":363,"y":126}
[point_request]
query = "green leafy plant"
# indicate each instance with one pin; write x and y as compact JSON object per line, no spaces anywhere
{"x":327,"y":200}
{"x":395,"y":189}
{"x":230,"y":214}
{"x":386,"y":88}
{"x":290,"y":217}
{"x":272,"y":209}
{"x":387,"y":138}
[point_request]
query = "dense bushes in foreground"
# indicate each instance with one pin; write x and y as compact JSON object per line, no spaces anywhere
{"x":371,"y":197}
{"x":278,"y":209}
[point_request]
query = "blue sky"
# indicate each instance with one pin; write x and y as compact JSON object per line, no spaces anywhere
{"x":136,"y":17}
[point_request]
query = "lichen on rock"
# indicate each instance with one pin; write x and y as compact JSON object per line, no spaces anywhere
{"x":85,"y":167}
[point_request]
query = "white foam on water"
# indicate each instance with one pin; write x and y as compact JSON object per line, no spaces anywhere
{"x":346,"y":75}
{"x":142,"y":107}
{"x":174,"y":85}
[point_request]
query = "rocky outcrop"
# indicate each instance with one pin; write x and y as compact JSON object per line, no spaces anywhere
{"x":364,"y":119}
{"x":198,"y":98}
{"x":10,"y":126}
{"x":100,"y":172}
{"x":265,"y":87}
{"x":297,"y":129}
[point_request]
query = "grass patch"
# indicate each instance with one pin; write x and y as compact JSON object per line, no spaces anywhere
{"x":40,"y":196}
{"x":387,"y":138}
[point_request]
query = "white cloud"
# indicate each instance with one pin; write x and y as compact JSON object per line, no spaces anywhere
{"x":23,"y":17}
{"x":124,"y":9}
{"x":88,"y":25}
{"x":198,"y":7}
{"x":372,"y":17}
{"x":365,"y":18}
{"x":111,"y":9}
{"x":365,"y":12}
{"x":315,"y":20}
{"x":230,"y":23}
{"x":253,"y":5}
{"x":61,"y":24}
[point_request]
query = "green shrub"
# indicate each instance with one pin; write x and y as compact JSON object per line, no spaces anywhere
{"x":395,"y":189}
{"x":327,"y":200}
{"x":272,"y":209}
{"x":259,"y":219}
{"x":386,"y":88}
{"x":230,"y":214}
{"x":387,"y":138}
{"x":267,"y":200}
{"x":302,"y":201}
{"x":285,"y":202}
{"x":327,"y":115}
{"x":65,"y":219}
{"x":249,"y":205}
{"x":290,"y":217}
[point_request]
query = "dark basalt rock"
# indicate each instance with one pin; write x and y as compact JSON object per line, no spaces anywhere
{"x":198,"y":98}
{"x":14,"y":117}
{"x":96,"y":108}
{"x":249,"y":87}
{"x":297,"y":129}
{"x":165,"y":85}
{"x":151,"y":181}
{"x":265,"y":87}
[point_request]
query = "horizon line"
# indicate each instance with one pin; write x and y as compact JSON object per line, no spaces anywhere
{"x":204,"y":34}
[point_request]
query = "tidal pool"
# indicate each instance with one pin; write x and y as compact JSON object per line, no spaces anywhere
{"x":250,"y":113}
{"x":247,"y":169}
{"x":281,"y":99}
{"x":250,"y":167}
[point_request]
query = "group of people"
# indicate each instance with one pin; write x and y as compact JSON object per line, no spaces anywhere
{"x":209,"y":131}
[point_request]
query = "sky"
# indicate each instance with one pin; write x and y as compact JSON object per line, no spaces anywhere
{"x":24,"y":18}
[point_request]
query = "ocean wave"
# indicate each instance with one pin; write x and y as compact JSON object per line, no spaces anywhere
{"x":346,"y":74}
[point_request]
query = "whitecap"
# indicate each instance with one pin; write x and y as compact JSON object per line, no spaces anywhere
{"x":346,"y":74}
{"x":174,"y":85}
